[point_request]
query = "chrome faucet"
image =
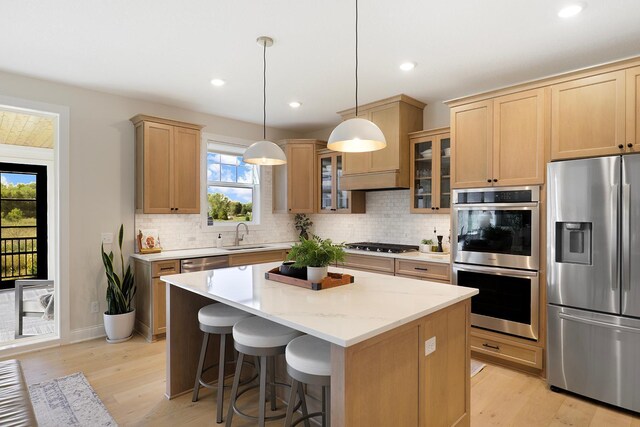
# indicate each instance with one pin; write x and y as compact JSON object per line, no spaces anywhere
{"x":239,"y":239}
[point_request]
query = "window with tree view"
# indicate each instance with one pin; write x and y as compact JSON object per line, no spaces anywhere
{"x":23,"y":223}
{"x":231,"y":188}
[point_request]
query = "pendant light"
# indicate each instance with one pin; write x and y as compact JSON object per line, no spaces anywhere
{"x":356,"y":135}
{"x":264,"y":152}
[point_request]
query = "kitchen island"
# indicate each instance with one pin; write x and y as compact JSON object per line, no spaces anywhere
{"x":378,"y":326}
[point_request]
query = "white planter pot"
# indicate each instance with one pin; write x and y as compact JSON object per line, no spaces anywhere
{"x":425,"y":248}
{"x":316,"y":274}
{"x":119,"y":327}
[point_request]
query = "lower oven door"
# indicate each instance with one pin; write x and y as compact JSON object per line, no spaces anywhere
{"x":508,"y":300}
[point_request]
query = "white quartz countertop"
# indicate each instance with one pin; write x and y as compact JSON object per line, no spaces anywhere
{"x":345,"y":315}
{"x":414,"y":256}
{"x":204,"y":252}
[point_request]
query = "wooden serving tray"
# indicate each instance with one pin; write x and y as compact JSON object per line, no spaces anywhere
{"x":331,"y":281}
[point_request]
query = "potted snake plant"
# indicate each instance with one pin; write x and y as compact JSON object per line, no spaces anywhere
{"x":316,"y":254}
{"x":120,"y":315}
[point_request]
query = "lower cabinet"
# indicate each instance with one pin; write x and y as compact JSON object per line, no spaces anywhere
{"x":151,"y":305}
{"x":375,"y":264}
{"x":412,"y":269}
{"x":505,"y":348}
{"x":257,"y":257}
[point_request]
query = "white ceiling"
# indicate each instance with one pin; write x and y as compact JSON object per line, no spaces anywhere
{"x":167,"y":51}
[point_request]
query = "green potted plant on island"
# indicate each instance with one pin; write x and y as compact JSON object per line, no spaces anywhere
{"x":425,"y":245}
{"x":316,"y":254}
{"x":120,"y":315}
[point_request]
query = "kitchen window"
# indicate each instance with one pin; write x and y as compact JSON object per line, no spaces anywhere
{"x":233,"y":187}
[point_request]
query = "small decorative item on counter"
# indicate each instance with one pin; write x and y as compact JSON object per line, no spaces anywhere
{"x":149,"y":242}
{"x":287,"y":269}
{"x":303,"y":224}
{"x":219,"y":241}
{"x":439,"y":244}
{"x":425,"y":245}
{"x":316,"y":254}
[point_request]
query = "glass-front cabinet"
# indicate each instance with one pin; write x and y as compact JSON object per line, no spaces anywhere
{"x":431,"y":171}
{"x":333,"y":199}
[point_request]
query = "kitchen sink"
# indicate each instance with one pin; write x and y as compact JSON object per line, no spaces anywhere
{"x":241,"y":247}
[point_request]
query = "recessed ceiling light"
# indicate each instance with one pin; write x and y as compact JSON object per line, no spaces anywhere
{"x":218,"y":82}
{"x":570,"y":10}
{"x":407,"y":66}
{"x":294,"y":104}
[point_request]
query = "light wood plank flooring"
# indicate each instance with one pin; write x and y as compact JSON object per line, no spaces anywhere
{"x":129,"y":378}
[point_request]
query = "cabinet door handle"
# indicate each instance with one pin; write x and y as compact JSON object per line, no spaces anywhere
{"x":630,"y":145}
{"x":437,"y":208}
{"x":495,"y":180}
{"x":334,"y":210}
{"x":620,"y":146}
{"x":489,"y":180}
{"x":421,"y":268}
{"x":433,"y":208}
{"x":493,"y":347}
{"x":166,"y":268}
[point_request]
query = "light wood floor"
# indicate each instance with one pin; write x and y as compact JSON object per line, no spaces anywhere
{"x":129,"y":378}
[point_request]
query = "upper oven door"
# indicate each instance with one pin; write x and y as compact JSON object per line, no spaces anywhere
{"x":499,"y":234}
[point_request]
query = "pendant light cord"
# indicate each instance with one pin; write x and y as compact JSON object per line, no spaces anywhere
{"x":264,"y":90}
{"x":356,"y":58}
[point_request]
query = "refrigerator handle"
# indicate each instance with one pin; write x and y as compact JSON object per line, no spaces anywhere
{"x":615,"y":231}
{"x":626,"y":236}
{"x":594,"y":322}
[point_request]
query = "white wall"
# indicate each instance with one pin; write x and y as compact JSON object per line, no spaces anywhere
{"x":101,"y":190}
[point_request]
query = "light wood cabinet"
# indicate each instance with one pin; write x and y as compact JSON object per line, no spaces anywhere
{"x":376,"y":264}
{"x":151,"y":320}
{"x":505,"y":348}
{"x":423,"y":269}
{"x":167,"y":166}
{"x":588,"y":116}
{"x":389,"y":167}
{"x":430,"y":171}
{"x":500,"y":141}
{"x":250,"y":258}
{"x":332,"y":198}
{"x":295,"y":183}
{"x":633,"y":109}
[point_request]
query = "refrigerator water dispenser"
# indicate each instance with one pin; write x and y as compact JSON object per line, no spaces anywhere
{"x":573,"y":245}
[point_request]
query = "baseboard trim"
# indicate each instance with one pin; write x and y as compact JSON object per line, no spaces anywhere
{"x":86,"y":334}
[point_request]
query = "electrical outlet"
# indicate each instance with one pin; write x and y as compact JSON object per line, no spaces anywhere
{"x":107,"y":238}
{"x":429,"y":346}
{"x":95,"y":307}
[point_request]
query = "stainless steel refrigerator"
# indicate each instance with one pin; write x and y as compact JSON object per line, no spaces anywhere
{"x":593,"y":278}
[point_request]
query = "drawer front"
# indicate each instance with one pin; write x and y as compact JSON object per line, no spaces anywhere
{"x":159,"y":307}
{"x":256,"y":257}
{"x":511,"y":351}
{"x":370,"y":263}
{"x":426,"y":270}
{"x":163,"y":268}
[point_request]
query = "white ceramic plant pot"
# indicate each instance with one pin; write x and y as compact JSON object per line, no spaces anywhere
{"x":316,"y":274}
{"x":425,"y":248}
{"x":119,"y":327}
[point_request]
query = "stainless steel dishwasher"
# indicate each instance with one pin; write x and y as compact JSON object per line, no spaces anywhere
{"x":206,"y":263}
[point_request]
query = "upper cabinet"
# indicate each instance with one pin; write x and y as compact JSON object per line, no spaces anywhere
{"x":332,"y":197}
{"x":167,"y":166}
{"x":499,"y":141}
{"x":389,"y":167}
{"x":588,"y":116}
{"x":633,"y":109}
{"x":430,"y":171}
{"x":295,"y":183}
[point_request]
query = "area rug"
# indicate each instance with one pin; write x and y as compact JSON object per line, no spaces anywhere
{"x":69,"y":401}
{"x":476,"y":367}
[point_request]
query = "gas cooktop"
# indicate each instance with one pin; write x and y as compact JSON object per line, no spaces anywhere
{"x":382,"y":247}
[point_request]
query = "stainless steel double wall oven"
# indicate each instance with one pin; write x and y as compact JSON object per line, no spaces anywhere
{"x":496,"y":250}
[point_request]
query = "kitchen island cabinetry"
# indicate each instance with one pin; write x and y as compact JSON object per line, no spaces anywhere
{"x":366,"y":333}
{"x":295,"y":183}
{"x":167,"y":166}
{"x":389,"y":167}
{"x":430,"y":171}
{"x":332,"y":198}
{"x":412,"y":265}
{"x":499,"y":141}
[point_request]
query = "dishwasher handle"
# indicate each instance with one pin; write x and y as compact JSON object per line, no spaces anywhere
{"x":201,"y":264}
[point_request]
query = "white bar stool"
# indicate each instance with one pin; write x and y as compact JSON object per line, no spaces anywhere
{"x":309,"y":362}
{"x":215,"y":319}
{"x":264,"y":339}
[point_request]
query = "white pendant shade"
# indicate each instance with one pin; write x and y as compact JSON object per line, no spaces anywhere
{"x":356,"y":136}
{"x":264,"y":153}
